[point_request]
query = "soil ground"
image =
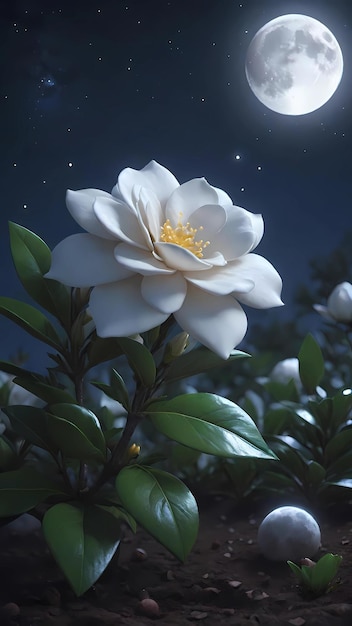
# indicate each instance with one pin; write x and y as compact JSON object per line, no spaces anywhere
{"x":224,"y":582}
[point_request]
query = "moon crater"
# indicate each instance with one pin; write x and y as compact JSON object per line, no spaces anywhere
{"x":294,"y":64}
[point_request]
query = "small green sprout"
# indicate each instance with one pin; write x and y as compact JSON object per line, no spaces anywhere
{"x":317,"y":578}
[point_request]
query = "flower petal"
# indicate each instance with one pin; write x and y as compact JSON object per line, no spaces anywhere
{"x":187,"y":198}
{"x":149,"y":211}
{"x":179,"y":258}
{"x":218,"y":322}
{"x":140,"y":261}
{"x":84,"y":260}
{"x":223,"y":198}
{"x":165,"y":293}
{"x":323,"y":310}
{"x":119,"y":310}
{"x":209,"y":219}
{"x":220,"y":280}
{"x":340,"y":303}
{"x":120,"y":221}
{"x":267,"y":282}
{"x":153,"y":176}
{"x":241,"y":233}
{"x":80,"y":205}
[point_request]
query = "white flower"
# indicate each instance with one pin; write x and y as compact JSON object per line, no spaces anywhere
{"x":154,"y":248}
{"x":339,"y":305}
{"x":287,"y":370}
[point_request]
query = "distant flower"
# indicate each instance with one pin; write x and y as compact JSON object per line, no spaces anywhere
{"x":287,"y":370}
{"x":156,"y":248}
{"x":339,"y":304}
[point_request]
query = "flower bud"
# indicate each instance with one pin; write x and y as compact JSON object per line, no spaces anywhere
{"x":286,"y":370}
{"x":175,"y":347}
{"x":339,"y":305}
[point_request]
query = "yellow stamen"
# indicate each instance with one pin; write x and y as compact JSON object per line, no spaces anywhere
{"x":184,"y":236}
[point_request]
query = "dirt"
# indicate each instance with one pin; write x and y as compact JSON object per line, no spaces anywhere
{"x":225,"y":580}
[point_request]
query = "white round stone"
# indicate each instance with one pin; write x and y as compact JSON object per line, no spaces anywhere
{"x":289,"y":533}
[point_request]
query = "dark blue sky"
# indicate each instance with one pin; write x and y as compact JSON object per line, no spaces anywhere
{"x":90,"y":88}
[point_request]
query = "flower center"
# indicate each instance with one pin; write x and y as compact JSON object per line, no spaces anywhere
{"x":183,"y":235}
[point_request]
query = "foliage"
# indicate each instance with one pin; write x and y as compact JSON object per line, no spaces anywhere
{"x":68,"y":465}
{"x":310,"y":430}
{"x":315,"y":579}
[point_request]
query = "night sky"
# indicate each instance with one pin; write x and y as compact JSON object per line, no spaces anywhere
{"x":88,"y":88}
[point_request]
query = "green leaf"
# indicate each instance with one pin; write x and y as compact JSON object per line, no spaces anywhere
{"x":15,"y":370}
{"x":117,"y":389}
{"x":275,"y":421}
{"x":140,"y":360}
{"x":198,"y":360}
{"x":22,"y":489}
{"x":32,"y":259}
{"x":311,"y":364}
{"x":296,"y":570}
{"x":118,"y":386}
{"x":341,"y":466}
{"x":346,"y":483}
{"x":7,"y":455}
{"x":83,"y":539}
{"x":31,"y":423}
{"x":45,"y":392}
{"x":283,"y":391}
{"x":210,"y":424}
{"x":32,"y":320}
{"x":101,"y":350}
{"x":76,"y":431}
{"x":316,"y":473}
{"x":290,"y":458}
{"x":324,"y":571}
{"x":338,"y":445}
{"x":342,"y":404}
{"x":162,"y":504}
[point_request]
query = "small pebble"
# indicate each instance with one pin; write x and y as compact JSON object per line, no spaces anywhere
{"x":140,"y":555}
{"x":148,"y":607}
{"x":10,"y":609}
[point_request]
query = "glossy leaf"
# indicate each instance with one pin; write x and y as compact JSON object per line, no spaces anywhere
{"x":83,"y":539}
{"x":139,"y":359}
{"x":275,"y":420}
{"x":101,"y":350}
{"x":198,"y":360}
{"x":339,"y":444}
{"x":14,"y":370}
{"x":317,"y":579}
{"x":283,"y":391}
{"x":76,"y":431}
{"x":117,"y":389}
{"x":162,"y":504}
{"x":311,"y":364}
{"x":7,"y":455}
{"x":209,"y":423}
{"x":342,"y":404}
{"x":31,"y":423}
{"x":23,"y":489}
{"x":31,"y":319}
{"x":290,"y":458}
{"x":316,"y":473}
{"x":32,"y":259}
{"x":346,"y":483}
{"x":44,"y":391}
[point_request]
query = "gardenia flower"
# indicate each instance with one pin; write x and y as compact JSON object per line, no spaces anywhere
{"x":154,"y":248}
{"x":339,"y":304}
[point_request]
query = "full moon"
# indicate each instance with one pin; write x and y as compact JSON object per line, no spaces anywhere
{"x":294,"y":64}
